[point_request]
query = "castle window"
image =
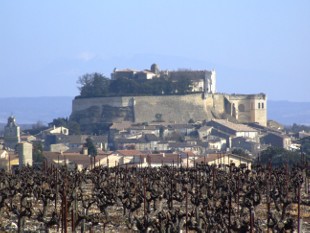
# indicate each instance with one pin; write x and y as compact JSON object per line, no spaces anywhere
{"x":262,"y":105}
{"x":258,"y":105}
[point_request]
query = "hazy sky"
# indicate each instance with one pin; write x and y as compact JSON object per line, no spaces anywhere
{"x":254,"y":46}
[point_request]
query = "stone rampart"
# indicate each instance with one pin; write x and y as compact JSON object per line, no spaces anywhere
{"x":169,"y":108}
{"x":172,"y":108}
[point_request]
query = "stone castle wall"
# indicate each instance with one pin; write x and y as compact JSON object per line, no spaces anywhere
{"x":173,"y":109}
{"x":170,"y":109}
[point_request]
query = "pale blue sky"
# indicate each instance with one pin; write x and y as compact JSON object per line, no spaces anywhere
{"x":254,"y":46}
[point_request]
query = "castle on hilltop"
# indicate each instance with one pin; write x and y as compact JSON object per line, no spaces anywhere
{"x":202,"y":102}
{"x":201,"y":80}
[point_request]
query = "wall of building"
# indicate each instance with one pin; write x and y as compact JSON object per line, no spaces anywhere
{"x":170,"y":109}
{"x":249,"y":108}
{"x":173,"y":109}
{"x":229,"y":159}
{"x":11,"y":133}
{"x":210,"y":82}
{"x":24,"y":150}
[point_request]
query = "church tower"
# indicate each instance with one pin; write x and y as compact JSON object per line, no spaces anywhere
{"x":11,"y":133}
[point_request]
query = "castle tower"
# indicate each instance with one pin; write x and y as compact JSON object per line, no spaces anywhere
{"x":259,"y":109}
{"x":155,"y":68}
{"x":210,"y":82}
{"x":248,"y":108}
{"x":11,"y":133}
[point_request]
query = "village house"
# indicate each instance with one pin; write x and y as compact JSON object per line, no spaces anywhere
{"x":277,"y":140}
{"x":246,"y":144}
{"x":229,"y":130}
{"x":237,"y":130}
{"x":144,"y":129}
{"x":180,"y":129}
{"x":216,"y":143}
{"x":73,"y":160}
{"x":62,"y":143}
{"x":223,"y":159}
{"x":146,"y":142}
{"x":303,"y":134}
{"x":184,"y":146}
{"x":204,"y":131}
{"x":55,"y":130}
{"x":134,"y":74}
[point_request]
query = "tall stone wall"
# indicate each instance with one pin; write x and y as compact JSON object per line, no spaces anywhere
{"x":81,"y":104}
{"x":173,"y":109}
{"x":95,"y":114}
{"x":170,"y":109}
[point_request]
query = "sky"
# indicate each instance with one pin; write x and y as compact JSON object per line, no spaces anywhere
{"x":258,"y":46}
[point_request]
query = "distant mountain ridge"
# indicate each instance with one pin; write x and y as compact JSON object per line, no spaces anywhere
{"x":288,"y":113}
{"x":30,"y":110}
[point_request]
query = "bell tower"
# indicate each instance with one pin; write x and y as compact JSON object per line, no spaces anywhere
{"x":11,"y":133}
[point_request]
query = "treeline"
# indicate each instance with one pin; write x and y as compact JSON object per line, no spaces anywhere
{"x":97,"y":85}
{"x":279,"y":157}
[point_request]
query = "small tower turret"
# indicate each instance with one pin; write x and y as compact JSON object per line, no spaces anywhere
{"x":155,"y":68}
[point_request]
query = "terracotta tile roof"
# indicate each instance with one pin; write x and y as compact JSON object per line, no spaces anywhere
{"x":75,"y":158}
{"x":189,"y":153}
{"x":129,"y":152}
{"x":164,"y":158}
{"x":209,"y":158}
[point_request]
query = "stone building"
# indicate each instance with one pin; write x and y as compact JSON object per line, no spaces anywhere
{"x":248,"y":108}
{"x":203,"y":105}
{"x":11,"y":133}
{"x":277,"y":140}
{"x":135,"y":74}
{"x":24,"y":150}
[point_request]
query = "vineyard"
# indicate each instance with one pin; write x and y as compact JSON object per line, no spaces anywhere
{"x":166,"y":199}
